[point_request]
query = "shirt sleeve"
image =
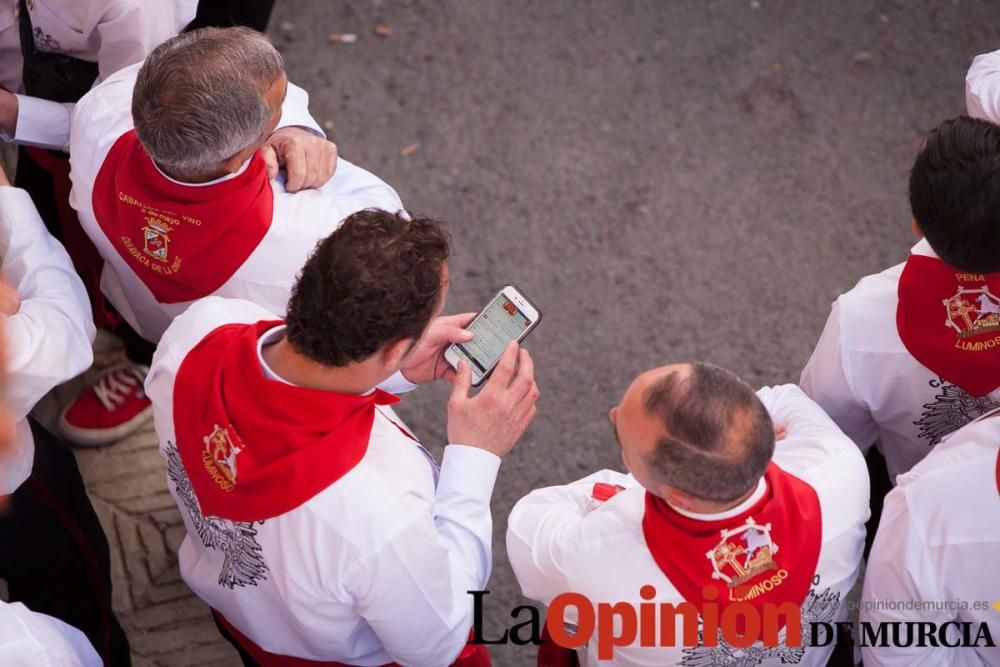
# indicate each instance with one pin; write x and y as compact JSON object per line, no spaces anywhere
{"x":792,"y":409}
{"x":38,"y":640}
{"x":901,"y":570}
{"x":358,"y":189}
{"x":414,"y":593}
{"x":42,"y":123}
{"x":545,"y":529}
{"x":397,"y":384}
{"x":826,"y":380}
{"x":295,"y":111}
{"x":49,"y":338}
{"x":982,"y":87}
{"x":129,"y":31}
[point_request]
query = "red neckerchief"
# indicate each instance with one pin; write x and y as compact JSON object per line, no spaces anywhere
{"x":183,"y":241}
{"x":473,"y":655}
{"x":949,"y":321}
{"x":255,"y":448}
{"x":765,"y":554}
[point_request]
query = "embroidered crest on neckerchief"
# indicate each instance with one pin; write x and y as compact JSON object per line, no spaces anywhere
{"x":743,"y":553}
{"x":951,"y":409}
{"x":222,"y":446}
{"x":156,"y":242}
{"x":818,"y":607}
{"x":972,"y":311}
{"x":244,"y":561}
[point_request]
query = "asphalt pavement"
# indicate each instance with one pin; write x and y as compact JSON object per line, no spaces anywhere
{"x":668,"y":180}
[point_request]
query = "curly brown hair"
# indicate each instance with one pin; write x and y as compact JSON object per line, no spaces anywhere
{"x":374,"y":281}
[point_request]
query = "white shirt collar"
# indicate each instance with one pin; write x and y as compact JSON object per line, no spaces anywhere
{"x":923,"y":248}
{"x":270,"y":337}
{"x":732,"y":511}
{"x":243,"y":167}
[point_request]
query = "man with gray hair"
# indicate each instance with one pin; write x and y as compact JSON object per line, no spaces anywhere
{"x":714,"y":512}
{"x":174,"y":184}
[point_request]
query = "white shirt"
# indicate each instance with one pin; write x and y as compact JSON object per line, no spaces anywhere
{"x":111,"y":33}
{"x":49,"y":337}
{"x":939,"y":542}
{"x":982,"y":87}
{"x":30,"y":639}
{"x":301,"y":220}
{"x":869,"y":383}
{"x":371,"y":570}
{"x":559,"y":542}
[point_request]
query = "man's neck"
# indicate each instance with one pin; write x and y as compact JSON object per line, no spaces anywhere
{"x":301,"y":371}
{"x":709,"y":507}
{"x":193,"y":178}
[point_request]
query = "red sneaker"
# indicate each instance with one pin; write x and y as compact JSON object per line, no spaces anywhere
{"x":114,"y":407}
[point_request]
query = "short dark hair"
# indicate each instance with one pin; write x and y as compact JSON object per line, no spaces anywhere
{"x":374,"y":281}
{"x":955,"y":193}
{"x":719,"y":439}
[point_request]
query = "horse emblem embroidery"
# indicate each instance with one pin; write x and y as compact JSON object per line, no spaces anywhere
{"x":738,"y":560}
{"x":219,"y":457}
{"x":972,"y":311}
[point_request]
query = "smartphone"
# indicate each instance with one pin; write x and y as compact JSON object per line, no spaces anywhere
{"x":508,"y":316}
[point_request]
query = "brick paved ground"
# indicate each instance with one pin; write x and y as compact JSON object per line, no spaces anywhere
{"x":166,"y":624}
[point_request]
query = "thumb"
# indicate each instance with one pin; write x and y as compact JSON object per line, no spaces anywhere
{"x":462,"y":382}
{"x":457,"y":334}
{"x":270,"y":161}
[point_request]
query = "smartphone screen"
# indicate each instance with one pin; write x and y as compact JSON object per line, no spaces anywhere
{"x":500,"y":323}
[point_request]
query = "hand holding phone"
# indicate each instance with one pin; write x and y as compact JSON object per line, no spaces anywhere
{"x":509,"y":316}
{"x":495,"y":418}
{"x":426,"y":362}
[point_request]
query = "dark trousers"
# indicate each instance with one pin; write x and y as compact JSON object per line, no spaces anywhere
{"x":38,"y":182}
{"x":227,"y":13}
{"x":881,"y":485}
{"x":54,"y":554}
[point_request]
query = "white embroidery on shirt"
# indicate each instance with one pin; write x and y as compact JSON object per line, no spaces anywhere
{"x":244,"y":562}
{"x":46,"y":42}
{"x":818,"y":607}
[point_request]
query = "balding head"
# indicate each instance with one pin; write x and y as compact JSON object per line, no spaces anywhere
{"x":696,"y":428}
{"x":203,"y":97}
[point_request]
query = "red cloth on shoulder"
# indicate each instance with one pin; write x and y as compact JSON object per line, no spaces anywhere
{"x":183,"y":241}
{"x":766,"y":554}
{"x":949,"y":320}
{"x":255,"y":448}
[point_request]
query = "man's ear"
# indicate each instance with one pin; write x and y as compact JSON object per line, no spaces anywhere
{"x":232,"y":164}
{"x":915,"y":226}
{"x":393,"y":353}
